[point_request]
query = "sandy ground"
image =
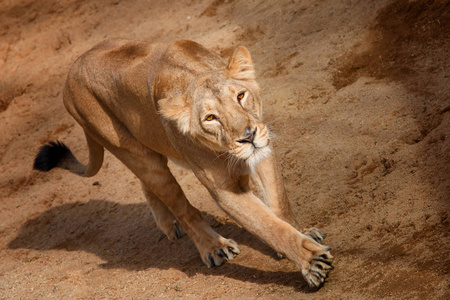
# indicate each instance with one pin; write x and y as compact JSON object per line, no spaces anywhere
{"x":357,"y":92}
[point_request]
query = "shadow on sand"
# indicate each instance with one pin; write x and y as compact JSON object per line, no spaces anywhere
{"x":125,"y":236}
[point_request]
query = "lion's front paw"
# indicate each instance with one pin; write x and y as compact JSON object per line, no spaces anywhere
{"x":318,"y":264}
{"x":318,"y":270}
{"x":315,"y":234}
{"x":226,"y":250}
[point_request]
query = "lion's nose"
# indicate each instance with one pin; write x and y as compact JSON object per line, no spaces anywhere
{"x":249,"y":135}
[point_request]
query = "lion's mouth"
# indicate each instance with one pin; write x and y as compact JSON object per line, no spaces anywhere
{"x":250,"y":155}
{"x":252,"y":149}
{"x":257,"y":155}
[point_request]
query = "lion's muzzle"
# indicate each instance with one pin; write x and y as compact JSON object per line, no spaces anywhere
{"x":249,"y":136}
{"x":253,"y":146}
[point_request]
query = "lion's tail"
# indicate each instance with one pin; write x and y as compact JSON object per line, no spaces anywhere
{"x":56,"y":154}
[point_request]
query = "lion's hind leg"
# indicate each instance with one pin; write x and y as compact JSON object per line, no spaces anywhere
{"x":167,"y":199}
{"x":174,"y":215}
{"x":165,"y":221}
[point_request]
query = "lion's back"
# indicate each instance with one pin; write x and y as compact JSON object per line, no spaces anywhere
{"x":119,"y":55}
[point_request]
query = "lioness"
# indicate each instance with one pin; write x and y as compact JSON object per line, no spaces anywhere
{"x":146,"y":103}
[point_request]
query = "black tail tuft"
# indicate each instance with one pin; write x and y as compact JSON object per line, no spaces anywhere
{"x":49,"y":156}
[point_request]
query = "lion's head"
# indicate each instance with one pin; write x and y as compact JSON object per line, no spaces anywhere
{"x":222,"y":110}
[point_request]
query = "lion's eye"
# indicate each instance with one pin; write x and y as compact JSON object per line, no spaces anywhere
{"x":210,"y":117}
{"x":240,"y":96}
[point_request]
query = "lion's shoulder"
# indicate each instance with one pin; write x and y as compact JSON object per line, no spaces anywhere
{"x":192,"y":56}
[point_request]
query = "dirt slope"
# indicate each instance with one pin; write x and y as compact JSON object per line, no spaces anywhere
{"x":357,"y":92}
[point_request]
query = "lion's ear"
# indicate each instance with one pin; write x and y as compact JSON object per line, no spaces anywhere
{"x":178,"y":110}
{"x":240,"y":65}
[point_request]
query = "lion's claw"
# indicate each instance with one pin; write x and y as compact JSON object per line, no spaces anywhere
{"x":326,"y":258}
{"x":211,"y":259}
{"x":235,"y":249}
{"x":315,"y":234}
{"x":318,"y":269}
{"x":173,"y":231}
{"x":223,"y":254}
{"x":178,"y":230}
{"x":322,"y":266}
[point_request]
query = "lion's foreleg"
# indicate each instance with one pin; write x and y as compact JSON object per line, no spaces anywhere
{"x":268,"y":175}
{"x":313,"y":259}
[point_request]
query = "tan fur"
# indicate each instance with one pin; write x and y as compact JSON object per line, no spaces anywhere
{"x":146,"y":102}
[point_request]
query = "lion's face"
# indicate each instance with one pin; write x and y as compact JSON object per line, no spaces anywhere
{"x":226,"y":117}
{"x":222,"y":110}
